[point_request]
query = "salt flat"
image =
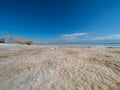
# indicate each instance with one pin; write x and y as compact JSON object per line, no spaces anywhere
{"x":31,"y":67}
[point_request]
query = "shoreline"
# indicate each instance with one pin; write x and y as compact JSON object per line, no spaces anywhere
{"x":64,"y":45}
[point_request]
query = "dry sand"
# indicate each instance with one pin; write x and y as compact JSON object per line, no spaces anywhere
{"x":25,"y":67}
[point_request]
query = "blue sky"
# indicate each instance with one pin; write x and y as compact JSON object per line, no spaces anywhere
{"x":65,"y":20}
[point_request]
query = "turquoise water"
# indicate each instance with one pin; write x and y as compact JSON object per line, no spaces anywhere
{"x":85,"y":44}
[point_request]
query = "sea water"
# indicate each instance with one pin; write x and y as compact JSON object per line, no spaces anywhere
{"x":84,"y":44}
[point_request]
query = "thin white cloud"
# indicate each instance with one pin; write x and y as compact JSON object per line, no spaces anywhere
{"x":72,"y":37}
{"x":87,"y":37}
{"x":116,"y":36}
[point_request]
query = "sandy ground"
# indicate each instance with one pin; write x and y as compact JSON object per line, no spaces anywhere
{"x":25,"y":67}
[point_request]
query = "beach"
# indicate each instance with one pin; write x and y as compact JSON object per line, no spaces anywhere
{"x":30,"y":67}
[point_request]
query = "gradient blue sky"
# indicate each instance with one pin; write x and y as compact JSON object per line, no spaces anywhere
{"x":49,"y":20}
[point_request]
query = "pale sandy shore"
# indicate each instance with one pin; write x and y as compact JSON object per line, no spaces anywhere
{"x":25,"y":67}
